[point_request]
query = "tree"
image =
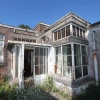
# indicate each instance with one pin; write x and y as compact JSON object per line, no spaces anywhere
{"x":24,"y":26}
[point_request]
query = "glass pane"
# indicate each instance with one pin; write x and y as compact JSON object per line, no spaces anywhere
{"x":76,"y":49}
{"x":46,"y":57}
{"x":59,"y":68}
{"x":36,"y":51}
{"x":41,"y":70}
{"x":58,"y":50}
{"x":41,"y":60}
{"x":36,"y":60}
{"x":78,"y":72}
{"x":55,"y":36}
{"x":77,"y":60}
{"x":1,"y":43}
{"x":45,"y":69}
{"x":37,"y":72}
{"x":56,"y":59}
{"x":85,"y":70}
{"x":84,"y":60}
{"x":69,"y":61}
{"x":66,"y":70}
{"x":74,"y":31}
{"x":41,"y":51}
{"x":59,"y":34}
{"x":1,"y":55}
{"x":65,"y":50}
{"x":83,"y":50}
{"x":77,"y":30}
{"x":59,"y":57}
{"x":65,"y":58}
{"x":69,"y":49}
{"x":81,"y":33}
{"x":63,"y":32}
{"x":68,"y":31}
{"x":2,"y":37}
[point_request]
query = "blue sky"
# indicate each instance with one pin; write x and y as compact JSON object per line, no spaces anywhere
{"x":30,"y":12}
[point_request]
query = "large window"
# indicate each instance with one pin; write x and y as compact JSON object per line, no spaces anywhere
{"x":67,"y":60}
{"x":41,"y":60}
{"x":2,"y":37}
{"x":64,"y":61}
{"x":80,"y":61}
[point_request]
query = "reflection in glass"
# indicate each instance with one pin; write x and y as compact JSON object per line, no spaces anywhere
{"x":78,"y":72}
{"x":85,"y":70}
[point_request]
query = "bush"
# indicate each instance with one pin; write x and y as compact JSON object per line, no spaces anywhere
{"x":92,"y":92}
{"x":48,"y":83}
{"x":12,"y":93}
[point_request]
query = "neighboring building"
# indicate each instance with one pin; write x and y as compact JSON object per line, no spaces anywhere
{"x":67,"y":49}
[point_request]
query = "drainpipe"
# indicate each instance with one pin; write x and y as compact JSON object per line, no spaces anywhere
{"x":95,"y":57}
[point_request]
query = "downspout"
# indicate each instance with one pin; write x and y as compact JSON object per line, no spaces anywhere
{"x":95,"y":57}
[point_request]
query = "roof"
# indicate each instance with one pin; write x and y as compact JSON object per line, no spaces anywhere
{"x":95,"y":24}
{"x":42,"y":24}
{"x":70,"y":14}
{"x":14,"y":27}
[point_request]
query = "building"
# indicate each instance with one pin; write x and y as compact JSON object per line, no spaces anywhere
{"x":68,"y":49}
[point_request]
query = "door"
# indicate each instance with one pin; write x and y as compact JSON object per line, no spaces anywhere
{"x":20,"y":64}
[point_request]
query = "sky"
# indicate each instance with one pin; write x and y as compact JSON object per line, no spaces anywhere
{"x":31,"y":12}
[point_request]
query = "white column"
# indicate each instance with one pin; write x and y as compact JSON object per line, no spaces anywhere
{"x":71,"y":30}
{"x":21,"y":80}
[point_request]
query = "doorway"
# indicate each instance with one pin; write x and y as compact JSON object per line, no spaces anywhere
{"x":28,"y":63}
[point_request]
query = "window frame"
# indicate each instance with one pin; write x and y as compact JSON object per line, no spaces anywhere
{"x":45,"y":63}
{"x":73,"y":63}
{"x":56,"y":37}
{"x":81,"y":61}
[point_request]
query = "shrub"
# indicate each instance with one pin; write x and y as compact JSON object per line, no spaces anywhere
{"x":48,"y":83}
{"x":92,"y":92}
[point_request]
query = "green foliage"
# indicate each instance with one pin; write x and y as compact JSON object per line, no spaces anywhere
{"x":48,"y":83}
{"x":11,"y":93}
{"x":90,"y":93}
{"x":24,"y":26}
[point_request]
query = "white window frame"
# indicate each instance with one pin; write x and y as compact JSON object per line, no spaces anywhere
{"x":73,"y":63}
{"x":44,"y":64}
